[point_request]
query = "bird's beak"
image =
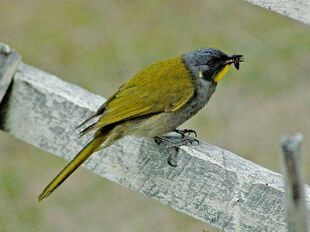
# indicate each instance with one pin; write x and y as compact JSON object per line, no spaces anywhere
{"x":234,"y":59}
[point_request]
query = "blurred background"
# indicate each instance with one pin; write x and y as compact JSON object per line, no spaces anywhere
{"x":99,"y":45}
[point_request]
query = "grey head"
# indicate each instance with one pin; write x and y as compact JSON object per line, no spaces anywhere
{"x":208,"y":62}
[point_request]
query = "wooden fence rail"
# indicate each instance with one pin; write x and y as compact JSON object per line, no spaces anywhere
{"x":295,"y":9}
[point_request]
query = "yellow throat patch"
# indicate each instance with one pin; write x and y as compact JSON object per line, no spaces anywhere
{"x":222,"y":73}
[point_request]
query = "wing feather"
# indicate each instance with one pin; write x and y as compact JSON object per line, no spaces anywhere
{"x":165,"y":86}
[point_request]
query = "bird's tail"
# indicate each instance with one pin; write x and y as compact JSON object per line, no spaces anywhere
{"x":86,"y":152}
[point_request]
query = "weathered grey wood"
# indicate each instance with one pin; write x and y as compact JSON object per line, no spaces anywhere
{"x":9,"y":60}
{"x":294,"y":188}
{"x":210,"y":183}
{"x":296,"y":9}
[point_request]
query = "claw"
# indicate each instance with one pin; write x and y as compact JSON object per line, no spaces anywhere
{"x":186,"y":132}
{"x":189,"y":141}
{"x":158,"y":140}
{"x":169,"y":159}
{"x":189,"y":132}
{"x":170,"y":163}
{"x":180,"y":132}
{"x":196,"y":140}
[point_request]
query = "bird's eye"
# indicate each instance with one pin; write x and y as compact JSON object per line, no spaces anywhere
{"x":212,"y":63}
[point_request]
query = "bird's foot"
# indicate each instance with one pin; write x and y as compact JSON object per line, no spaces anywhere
{"x":175,"y":144}
{"x":186,"y":132}
{"x":186,"y":138}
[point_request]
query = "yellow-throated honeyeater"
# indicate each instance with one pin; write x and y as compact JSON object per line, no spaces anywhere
{"x":154,"y":102}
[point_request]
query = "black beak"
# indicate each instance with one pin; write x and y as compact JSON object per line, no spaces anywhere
{"x":234,"y":59}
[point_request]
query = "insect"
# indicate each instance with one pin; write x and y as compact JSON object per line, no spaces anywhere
{"x":236,"y":60}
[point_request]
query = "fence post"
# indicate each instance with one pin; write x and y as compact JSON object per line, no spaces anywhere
{"x":294,"y":188}
{"x":9,"y":60}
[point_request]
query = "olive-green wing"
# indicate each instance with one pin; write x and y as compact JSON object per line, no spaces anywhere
{"x":99,"y":111}
{"x":162,"y":87}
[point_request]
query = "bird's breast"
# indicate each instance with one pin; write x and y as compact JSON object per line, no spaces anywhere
{"x":203,"y":92}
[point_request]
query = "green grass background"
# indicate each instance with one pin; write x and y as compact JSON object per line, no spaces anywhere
{"x":99,"y":45}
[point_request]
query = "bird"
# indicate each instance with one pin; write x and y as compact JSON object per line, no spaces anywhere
{"x":154,"y":102}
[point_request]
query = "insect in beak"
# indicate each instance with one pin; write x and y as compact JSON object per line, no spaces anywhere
{"x":235,"y":59}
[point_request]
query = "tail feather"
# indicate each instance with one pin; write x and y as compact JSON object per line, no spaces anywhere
{"x":79,"y":159}
{"x":87,"y":129}
{"x":86,"y":121}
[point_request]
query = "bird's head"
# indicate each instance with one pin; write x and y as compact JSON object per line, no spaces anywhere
{"x":210,"y":63}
